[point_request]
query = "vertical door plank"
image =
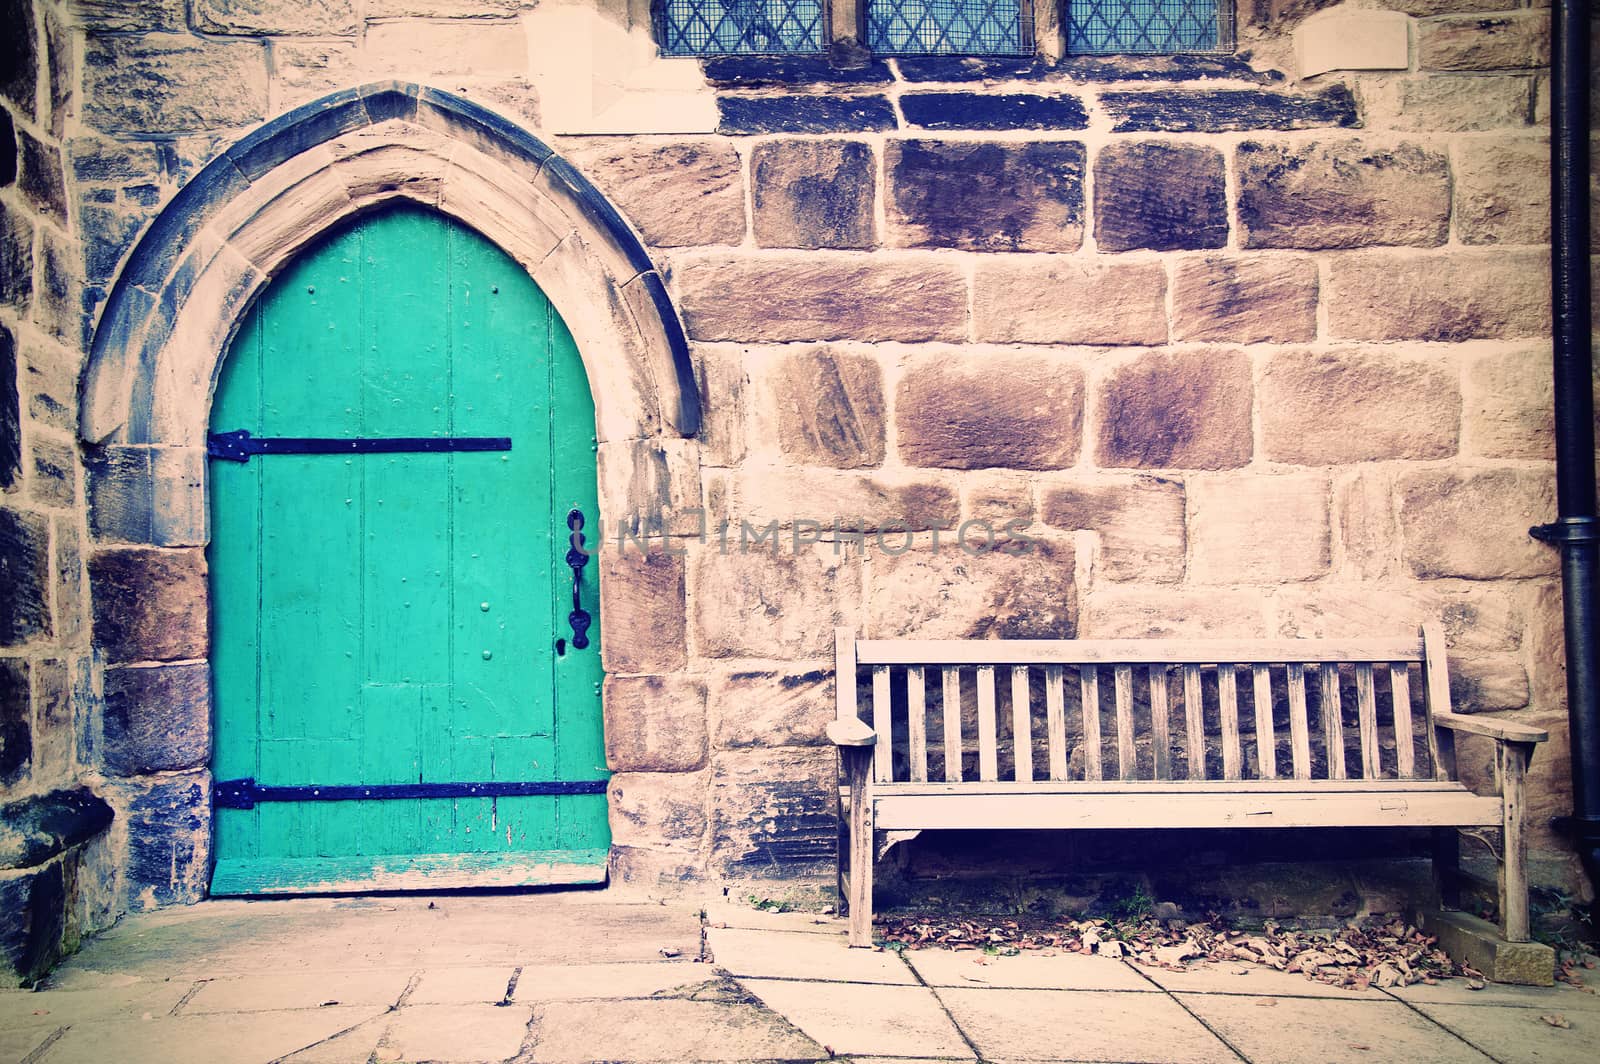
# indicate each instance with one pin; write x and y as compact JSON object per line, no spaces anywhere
{"x":1194,"y":722}
{"x":1266,"y":737}
{"x":1228,"y":702}
{"x":1332,"y":720}
{"x":1055,"y":701}
{"x":952,"y":724}
{"x":1089,"y":684}
{"x":1127,"y":761}
{"x":917,"y":723}
{"x":1367,"y":713}
{"x":988,"y":760}
{"x":1021,"y":723}
{"x":1400,"y":689}
{"x":1160,"y":722}
{"x":882,"y":723}
{"x":1299,"y":726}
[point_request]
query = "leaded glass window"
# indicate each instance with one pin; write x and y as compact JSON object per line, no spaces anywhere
{"x":740,"y":27}
{"x":947,"y":27}
{"x":1103,"y":27}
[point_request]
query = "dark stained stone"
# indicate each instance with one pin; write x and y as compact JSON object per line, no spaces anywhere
{"x":168,"y":842}
{"x":130,"y":16}
{"x":774,"y":813}
{"x":830,"y":408}
{"x":804,"y":114}
{"x":1159,"y":195}
{"x":16,"y":258}
{"x":63,"y":67}
{"x":1085,"y":68}
{"x":1228,"y":110}
{"x":764,"y":71}
{"x":24,"y":573}
{"x":149,"y":605}
{"x":8,"y":149}
{"x":61,"y":304}
{"x":813,"y":194}
{"x":19,"y":55}
{"x":173,"y":83}
{"x":41,"y":178}
{"x":157,"y":719}
{"x":1177,"y":411}
{"x":986,"y":197}
{"x":1013,"y":412}
{"x":16,"y":721}
{"x":10,"y":412}
{"x":104,"y":159}
{"x":36,"y":828}
{"x":108,"y":232}
{"x":1274,"y":13}
{"x":974,"y":110}
{"x":33,"y":914}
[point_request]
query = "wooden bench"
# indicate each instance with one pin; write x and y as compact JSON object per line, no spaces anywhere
{"x":1194,"y":734}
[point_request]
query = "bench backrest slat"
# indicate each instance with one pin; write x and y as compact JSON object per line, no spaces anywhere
{"x":992,"y":689}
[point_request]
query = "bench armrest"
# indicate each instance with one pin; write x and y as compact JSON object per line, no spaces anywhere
{"x":851,"y":731}
{"x":1504,"y":730}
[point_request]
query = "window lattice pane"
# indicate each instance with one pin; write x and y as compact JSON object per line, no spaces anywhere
{"x":946,"y":27}
{"x":1145,"y":26}
{"x":740,"y":27}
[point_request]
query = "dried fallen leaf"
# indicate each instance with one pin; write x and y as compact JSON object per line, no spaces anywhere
{"x":1555,"y":1019}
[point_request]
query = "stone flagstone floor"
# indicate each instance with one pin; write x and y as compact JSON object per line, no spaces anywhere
{"x":590,"y":977}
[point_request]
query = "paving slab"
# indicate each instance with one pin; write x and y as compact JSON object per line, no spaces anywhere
{"x":16,"y":1042}
{"x":726,"y":914}
{"x":1059,"y":971}
{"x":1457,"y":992}
{"x":1083,"y":1025}
{"x":455,"y":1033}
{"x":855,"y":1019}
{"x":1287,"y":1030}
{"x":1519,"y":1036}
{"x":664,"y":1029}
{"x":570,"y":982}
{"x":791,"y":955}
{"x":130,"y":1001}
{"x":217,"y":1039}
{"x":472,"y":985}
{"x":1253,"y":979}
{"x":262,"y":993}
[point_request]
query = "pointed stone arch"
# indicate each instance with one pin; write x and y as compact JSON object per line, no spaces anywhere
{"x":157,"y":349}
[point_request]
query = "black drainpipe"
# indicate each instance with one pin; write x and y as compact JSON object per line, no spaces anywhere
{"x":1574,"y":530}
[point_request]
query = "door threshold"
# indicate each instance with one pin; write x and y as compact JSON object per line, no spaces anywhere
{"x":401,"y":872}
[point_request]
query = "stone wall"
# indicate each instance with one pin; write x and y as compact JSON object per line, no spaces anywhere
{"x":1248,"y":352}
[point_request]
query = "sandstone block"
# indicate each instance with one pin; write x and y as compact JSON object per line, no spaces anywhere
{"x":1474,"y":523}
{"x":1482,"y":682}
{"x":16,"y":721}
{"x":1247,"y":300}
{"x":16,"y":258}
{"x":651,"y":808}
{"x":784,"y":509}
{"x":173,"y":83}
{"x":1460,"y":295}
{"x":655,"y":723}
{"x":1024,"y":591}
{"x":8,"y":149}
{"x":1368,"y":547}
{"x":999,"y":498}
{"x":480,"y":47}
{"x":653,"y":870}
{"x":1177,"y":411}
{"x":1161,"y":195}
{"x":804,"y":113}
{"x":157,"y":719}
{"x":822,"y":298}
{"x":985,"y":196}
{"x":1066,"y":301}
{"x":678,"y":193}
{"x":813,"y":194}
{"x":1502,"y":191}
{"x":169,"y":839}
{"x":1130,"y":612}
{"x":642,"y":611}
{"x":1140,"y":522}
{"x":1547,"y":649}
{"x":1009,"y":411}
{"x":1456,"y":103}
{"x":1426,"y":8}
{"x":308,"y":70}
{"x":40,"y":176}
{"x":149,"y":605}
{"x":1342,"y":194}
{"x":129,"y":16}
{"x":25,"y":564}
{"x":829,"y":406}
{"x":788,"y":706}
{"x":316,"y":18}
{"x":723,"y":437}
{"x":71,"y":602}
{"x":1509,"y":408}
{"x":774,"y":813}
{"x":1254,"y":529}
{"x":10,"y":412}
{"x":54,"y":736}
{"x":992,"y":110}
{"x":773,"y":604}
{"x":1500,"y":42}
{"x":53,"y":481}
{"x":1476,"y":617}
{"x":648,"y":486}
{"x":1330,"y":408}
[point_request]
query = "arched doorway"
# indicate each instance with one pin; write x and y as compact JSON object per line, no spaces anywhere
{"x":405,"y":692}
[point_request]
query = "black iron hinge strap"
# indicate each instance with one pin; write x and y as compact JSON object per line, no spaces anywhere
{"x":238,"y":446}
{"x":245,"y":793}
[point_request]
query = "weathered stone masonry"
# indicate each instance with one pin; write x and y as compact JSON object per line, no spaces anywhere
{"x":1254,"y":353}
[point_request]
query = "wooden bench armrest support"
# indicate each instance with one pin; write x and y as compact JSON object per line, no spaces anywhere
{"x":851,"y":731}
{"x":1504,"y":730}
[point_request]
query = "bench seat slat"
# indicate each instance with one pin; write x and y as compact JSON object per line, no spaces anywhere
{"x":1160,"y":731}
{"x":1089,"y":685}
{"x":1127,"y":762}
{"x":988,"y":755}
{"x":1299,"y":729}
{"x":917,"y":722}
{"x":1332,"y":722}
{"x":1194,"y":722}
{"x":1266,"y":740}
{"x":1130,"y":651}
{"x":1228,"y":700}
{"x":1405,"y":753}
{"x":1021,"y":723}
{"x":1367,"y":713}
{"x":952,"y":724}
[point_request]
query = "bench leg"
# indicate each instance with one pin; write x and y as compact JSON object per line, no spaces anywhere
{"x":1511,"y":769}
{"x":858,"y":775}
{"x":1447,"y":867}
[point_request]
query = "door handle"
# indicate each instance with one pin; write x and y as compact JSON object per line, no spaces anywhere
{"x":579,"y":618}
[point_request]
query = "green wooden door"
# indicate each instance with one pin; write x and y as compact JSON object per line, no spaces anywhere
{"x":386,"y":621}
